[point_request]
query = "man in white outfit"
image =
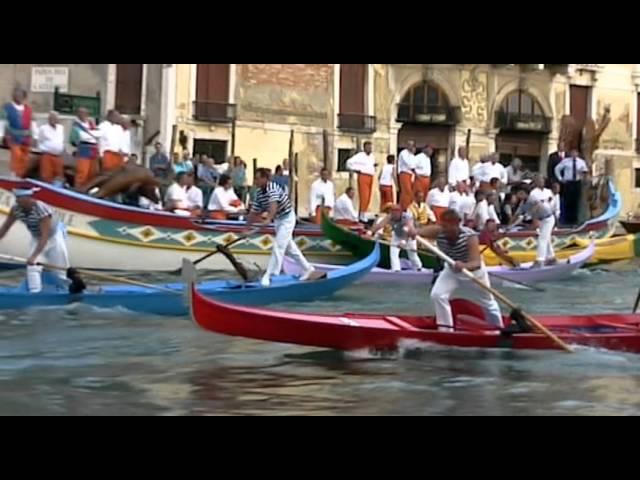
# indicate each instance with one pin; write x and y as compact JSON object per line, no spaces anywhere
{"x":272,"y":204}
{"x":47,"y":234}
{"x":459,"y":168}
{"x":544,"y":220}
{"x":403,"y":236}
{"x":462,"y":245}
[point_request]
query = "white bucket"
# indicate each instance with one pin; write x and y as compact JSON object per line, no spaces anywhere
{"x":34,"y":278}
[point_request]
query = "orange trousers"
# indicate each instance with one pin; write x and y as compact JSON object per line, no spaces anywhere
{"x":438,"y":211}
{"x":365,"y":183}
{"x":406,"y":190}
{"x":112,"y":161}
{"x":51,"y":167}
{"x":386,"y":195}
{"x":422,"y":184}
{"x":318,"y":215}
{"x":20,"y":160}
{"x":86,"y":170}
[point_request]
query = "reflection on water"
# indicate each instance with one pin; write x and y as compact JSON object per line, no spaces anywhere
{"x":80,"y":360}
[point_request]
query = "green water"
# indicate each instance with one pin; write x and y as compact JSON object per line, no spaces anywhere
{"x":83,"y":361}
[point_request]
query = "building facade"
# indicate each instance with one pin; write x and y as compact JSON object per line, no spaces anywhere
{"x":323,"y":112}
{"x":136,"y":90}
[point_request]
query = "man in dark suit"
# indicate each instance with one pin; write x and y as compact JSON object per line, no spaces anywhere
{"x":554,"y":160}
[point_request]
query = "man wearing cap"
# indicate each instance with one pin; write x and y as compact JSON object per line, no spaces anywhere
{"x":47,"y":233}
{"x":403,"y":236}
{"x":51,"y":144}
{"x":18,"y":130}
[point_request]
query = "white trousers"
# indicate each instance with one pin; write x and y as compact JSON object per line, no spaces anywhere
{"x":285,"y":245}
{"x":55,"y":252}
{"x":448,"y":282}
{"x":394,"y":253}
{"x":545,"y":242}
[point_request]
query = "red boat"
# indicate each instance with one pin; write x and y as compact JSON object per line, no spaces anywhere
{"x":386,"y":332}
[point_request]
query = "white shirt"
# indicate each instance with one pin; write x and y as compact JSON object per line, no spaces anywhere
{"x":406,"y":161}
{"x":458,"y":171}
{"x":541,"y":195}
{"x":125,"y":147}
{"x":564,"y":170}
{"x":497,"y":170}
{"x":363,"y":163}
{"x":480,"y":172}
{"x":438,"y":198}
{"x":493,"y":214}
{"x":322,"y":193}
{"x":177,"y":197}
{"x":386,"y":177}
{"x":51,"y":139}
{"x":481,"y":214}
{"x":88,"y":136}
{"x":144,"y":202}
{"x":110,"y":137}
{"x":194,"y":197}
{"x":344,"y":209}
{"x":423,"y":165}
{"x":3,"y":123}
{"x":221,"y":201}
{"x":463,"y":204}
{"x":223,"y":168}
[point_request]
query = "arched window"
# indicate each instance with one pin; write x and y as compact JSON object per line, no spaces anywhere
{"x":520,"y":111}
{"x":425,"y":103}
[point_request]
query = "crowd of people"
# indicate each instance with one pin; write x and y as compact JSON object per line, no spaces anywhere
{"x":489,"y":197}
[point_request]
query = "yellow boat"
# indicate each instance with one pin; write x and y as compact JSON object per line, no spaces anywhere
{"x":611,"y":249}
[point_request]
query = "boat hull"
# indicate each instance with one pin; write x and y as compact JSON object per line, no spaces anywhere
{"x":361,"y":331}
{"x":284,"y":288}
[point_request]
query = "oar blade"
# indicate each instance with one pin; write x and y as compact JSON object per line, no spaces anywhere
{"x":189,"y":278}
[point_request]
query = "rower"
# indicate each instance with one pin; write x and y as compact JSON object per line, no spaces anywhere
{"x":272,"y":200}
{"x":489,"y":237}
{"x":403,"y":236}
{"x":544,"y":220}
{"x":462,"y":245}
{"x":47,"y":235}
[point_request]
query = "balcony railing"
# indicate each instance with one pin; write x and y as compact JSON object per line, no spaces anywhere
{"x":355,"y":122}
{"x":523,"y":122}
{"x":428,"y":114}
{"x":217,"y":112}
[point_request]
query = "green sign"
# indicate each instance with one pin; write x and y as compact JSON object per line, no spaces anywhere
{"x":69,"y":104}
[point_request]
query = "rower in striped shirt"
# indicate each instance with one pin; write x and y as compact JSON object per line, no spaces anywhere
{"x":273,"y":201}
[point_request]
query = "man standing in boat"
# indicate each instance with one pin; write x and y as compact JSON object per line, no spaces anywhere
{"x":403,"y":236}
{"x":462,"y":245}
{"x":84,"y":136}
{"x":47,"y":234}
{"x":544,"y":220}
{"x":272,"y":204}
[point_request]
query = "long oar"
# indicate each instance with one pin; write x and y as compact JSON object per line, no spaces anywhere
{"x":637,"y":304}
{"x":436,"y":251}
{"x":499,"y":277}
{"x":241,"y":238}
{"x":101,"y":276}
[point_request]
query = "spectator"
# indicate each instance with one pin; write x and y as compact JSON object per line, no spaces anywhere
{"x":281,"y":179}
{"x":238,"y":174}
{"x":159,"y":163}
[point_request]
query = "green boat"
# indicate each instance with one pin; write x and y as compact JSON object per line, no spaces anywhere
{"x":361,"y":247}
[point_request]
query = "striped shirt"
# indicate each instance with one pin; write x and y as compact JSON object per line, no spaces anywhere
{"x":458,"y":250}
{"x":272,"y":193}
{"x":33,"y":217}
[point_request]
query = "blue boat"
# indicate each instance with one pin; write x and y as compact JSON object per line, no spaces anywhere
{"x":283,"y":288}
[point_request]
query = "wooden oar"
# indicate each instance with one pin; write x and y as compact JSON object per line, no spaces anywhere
{"x":436,"y":251}
{"x":101,"y":276}
{"x":500,"y":277}
{"x":241,"y":238}
{"x":637,"y":304}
